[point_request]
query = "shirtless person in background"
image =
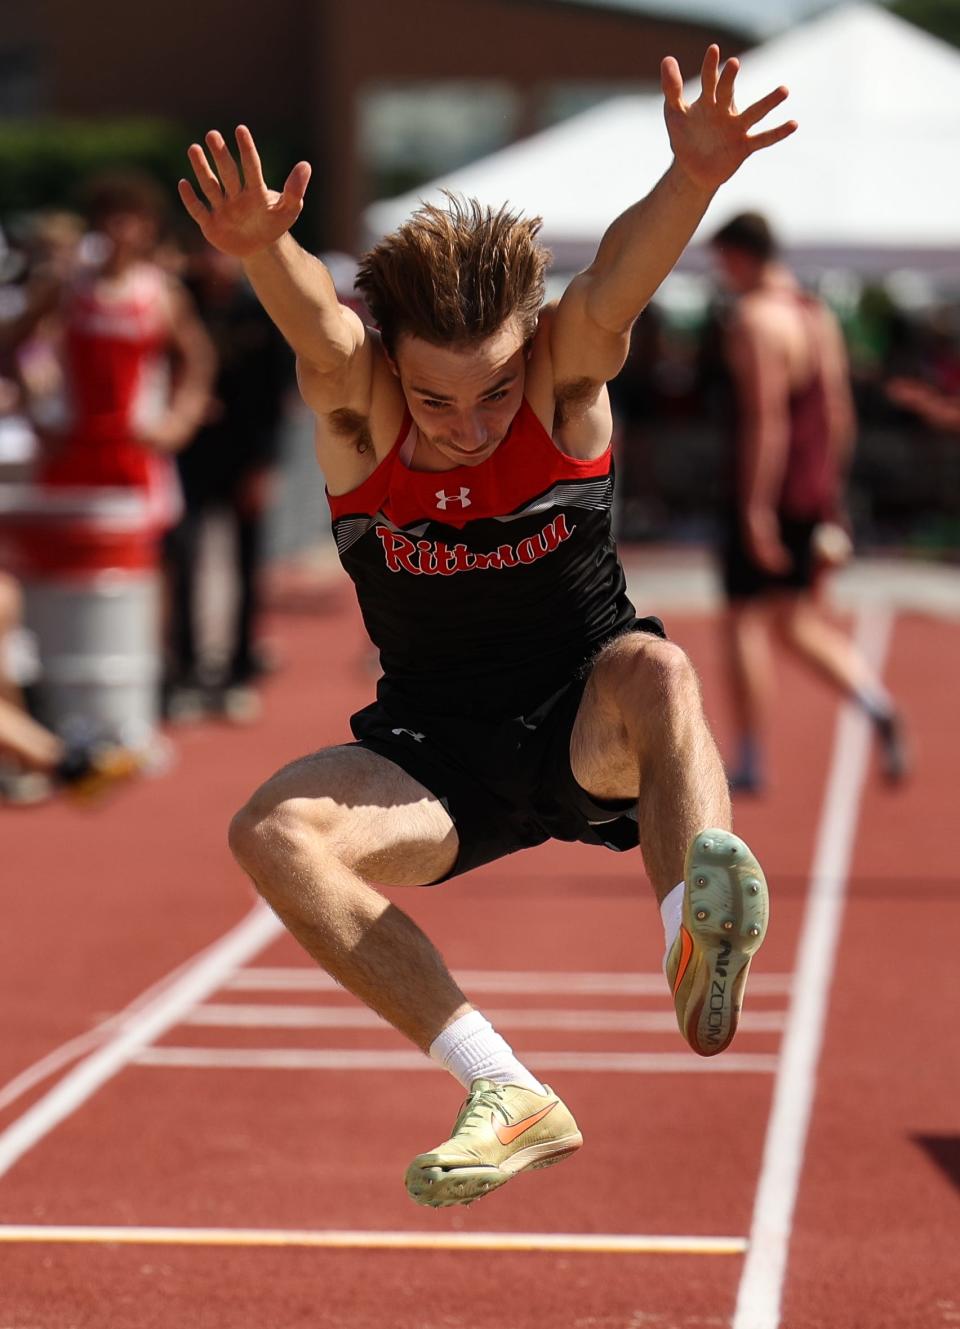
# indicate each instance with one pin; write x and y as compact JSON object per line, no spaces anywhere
{"x":466,"y":449}
{"x":793,"y":432}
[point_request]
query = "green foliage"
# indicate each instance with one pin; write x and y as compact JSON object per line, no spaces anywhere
{"x":45,"y":163}
{"x":941,"y":17}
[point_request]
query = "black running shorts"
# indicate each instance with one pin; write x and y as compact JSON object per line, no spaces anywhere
{"x":745,"y":579}
{"x":507,"y":785}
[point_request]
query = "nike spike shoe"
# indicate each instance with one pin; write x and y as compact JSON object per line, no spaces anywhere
{"x":501,"y":1130}
{"x":725,"y":908}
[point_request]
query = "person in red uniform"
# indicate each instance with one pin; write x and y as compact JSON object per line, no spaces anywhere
{"x":793,"y":428}
{"x":466,"y":449}
{"x":136,"y":364}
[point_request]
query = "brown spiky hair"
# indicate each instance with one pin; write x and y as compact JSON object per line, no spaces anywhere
{"x":454,"y":275}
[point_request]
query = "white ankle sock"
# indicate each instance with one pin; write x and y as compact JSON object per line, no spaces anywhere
{"x":471,"y":1049}
{"x":671,"y":911}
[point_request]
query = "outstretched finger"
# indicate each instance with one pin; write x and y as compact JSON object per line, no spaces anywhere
{"x":726,"y":82}
{"x":208,"y":182}
{"x":755,"y":113}
{"x":227,"y":167}
{"x":708,"y":73}
{"x":671,"y":82}
{"x":192,"y":204}
{"x":296,"y":183}
{"x":249,"y":158}
{"x":757,"y":141}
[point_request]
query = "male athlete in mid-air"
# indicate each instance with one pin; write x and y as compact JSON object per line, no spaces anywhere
{"x":466,"y":450}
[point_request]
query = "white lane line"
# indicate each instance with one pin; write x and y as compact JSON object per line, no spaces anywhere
{"x":196,"y":981}
{"x":591,"y":1243}
{"x":304,"y":979}
{"x":351,"y":1059}
{"x":761,"y":1284}
{"x":230,"y":1015}
{"x":75,"y":1048}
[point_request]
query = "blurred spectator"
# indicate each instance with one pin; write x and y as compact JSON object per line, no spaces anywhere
{"x":228,"y":467}
{"x":792,"y":424}
{"x":115,"y":370}
{"x":33,"y":760}
{"x":939,"y":409}
{"x":49,"y":245}
{"x":134,"y":364}
{"x":635,"y":399}
{"x":932,"y":391}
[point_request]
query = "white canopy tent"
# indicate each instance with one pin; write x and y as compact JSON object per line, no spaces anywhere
{"x":871,"y":179}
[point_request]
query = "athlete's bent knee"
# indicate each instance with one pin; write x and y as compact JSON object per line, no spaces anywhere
{"x":647,"y":674}
{"x":265,"y":833}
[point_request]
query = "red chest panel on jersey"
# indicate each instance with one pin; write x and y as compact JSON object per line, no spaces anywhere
{"x":526,"y":464}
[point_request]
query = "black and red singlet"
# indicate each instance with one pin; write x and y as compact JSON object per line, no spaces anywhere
{"x":484,"y":587}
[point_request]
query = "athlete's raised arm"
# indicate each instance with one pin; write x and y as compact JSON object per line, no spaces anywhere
{"x":710,"y":140}
{"x":241,"y":216}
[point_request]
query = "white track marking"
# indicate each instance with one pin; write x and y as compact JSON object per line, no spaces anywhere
{"x":195,"y":981}
{"x":761,"y":1285}
{"x":76,"y":1047}
{"x":351,"y":1059}
{"x":54,"y":1061}
{"x":230,"y":1015}
{"x":592,"y":1243}
{"x":552,"y":982}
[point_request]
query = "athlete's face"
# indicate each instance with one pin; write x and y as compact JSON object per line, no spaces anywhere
{"x":462,"y":401}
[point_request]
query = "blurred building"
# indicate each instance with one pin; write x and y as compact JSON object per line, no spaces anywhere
{"x":378,"y":94}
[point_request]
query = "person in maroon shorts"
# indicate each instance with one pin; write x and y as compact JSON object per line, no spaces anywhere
{"x":792,"y":427}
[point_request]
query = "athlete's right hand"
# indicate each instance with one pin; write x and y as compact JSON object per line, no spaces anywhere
{"x":244,"y":216}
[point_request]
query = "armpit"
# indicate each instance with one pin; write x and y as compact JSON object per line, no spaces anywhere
{"x":575,"y":397}
{"x":349,"y":424}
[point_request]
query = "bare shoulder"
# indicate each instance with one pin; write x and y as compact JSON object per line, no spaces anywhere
{"x":575,"y":412}
{"x":757,"y":313}
{"x":358,"y":412}
{"x":763,"y":329}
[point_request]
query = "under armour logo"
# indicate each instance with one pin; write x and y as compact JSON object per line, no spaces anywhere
{"x":443,"y":498}
{"x":419,"y":737}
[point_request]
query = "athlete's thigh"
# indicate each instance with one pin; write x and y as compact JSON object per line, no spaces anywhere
{"x":628,"y":678}
{"x":601,"y":757}
{"x":374,"y":816}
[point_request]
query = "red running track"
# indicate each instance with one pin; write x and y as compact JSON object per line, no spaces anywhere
{"x":252,"y":1136}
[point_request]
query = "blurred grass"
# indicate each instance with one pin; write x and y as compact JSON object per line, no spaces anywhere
{"x":46,"y":163}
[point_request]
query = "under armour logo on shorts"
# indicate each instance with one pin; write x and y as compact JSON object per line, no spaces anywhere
{"x":443,"y":498}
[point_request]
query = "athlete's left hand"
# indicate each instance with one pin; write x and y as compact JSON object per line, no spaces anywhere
{"x":710,"y":137}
